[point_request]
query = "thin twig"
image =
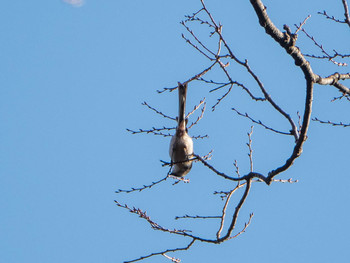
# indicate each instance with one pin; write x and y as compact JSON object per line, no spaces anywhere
{"x":324,"y":13}
{"x":222,"y":97}
{"x":176,"y":260}
{"x":197,"y":217}
{"x":290,"y":180}
{"x":199,"y":42}
{"x":158,"y":112}
{"x":249,"y":144}
{"x":237,"y":168}
{"x":245,"y":227}
{"x":199,"y":117}
{"x":330,"y":57}
{"x":332,"y":123}
{"x":163,"y":252}
{"x":195,"y":108}
{"x":139,"y":189}
{"x":260,"y":123}
{"x":301,"y":24}
{"x":152,"y":223}
{"x":196,"y":47}
{"x":155,"y":131}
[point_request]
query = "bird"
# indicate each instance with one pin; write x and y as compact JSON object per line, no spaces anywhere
{"x":181,"y":144}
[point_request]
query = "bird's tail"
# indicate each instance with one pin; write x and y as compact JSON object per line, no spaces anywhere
{"x":182,"y":105}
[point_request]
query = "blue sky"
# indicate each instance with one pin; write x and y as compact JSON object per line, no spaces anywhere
{"x":73,"y":79}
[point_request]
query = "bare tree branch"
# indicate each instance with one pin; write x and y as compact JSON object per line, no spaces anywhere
{"x":196,"y":217}
{"x":334,"y":81}
{"x":163,"y":252}
{"x":139,"y":189}
{"x":249,"y":144}
{"x":346,"y":14}
{"x":158,"y":112}
{"x":220,"y":56}
{"x":155,"y":131}
{"x":228,"y":197}
{"x":260,"y":123}
{"x":332,"y":123}
{"x":327,"y":55}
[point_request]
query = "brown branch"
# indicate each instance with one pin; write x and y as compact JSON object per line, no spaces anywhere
{"x":221,"y":98}
{"x":223,"y":194}
{"x":222,"y":85}
{"x":299,"y":122}
{"x":260,"y":123}
{"x":327,"y":55}
{"x":346,"y":96}
{"x":236,"y":212}
{"x":346,"y":14}
{"x":287,"y":41}
{"x":290,"y":180}
{"x":324,"y":13}
{"x":201,"y":73}
{"x":244,"y":228}
{"x":158,"y":112}
{"x":176,"y":260}
{"x":199,"y":117}
{"x":249,"y":144}
{"x":195,"y":77}
{"x":197,"y":217}
{"x":274,"y":104}
{"x":336,"y":54}
{"x":194,"y":17}
{"x":208,"y":155}
{"x":334,"y":81}
{"x":190,"y":18}
{"x":163,"y":252}
{"x":155,"y":131}
{"x":332,"y":123}
{"x":279,"y":35}
{"x":213,"y":169}
{"x":218,"y":30}
{"x":185,"y":233}
{"x":228,"y":197}
{"x":199,"y":42}
{"x":153,"y":224}
{"x":237,"y":168}
{"x":200,"y":137}
{"x":301,"y":24}
{"x":139,"y":189}
{"x":196,"y":47}
{"x":195,"y":108}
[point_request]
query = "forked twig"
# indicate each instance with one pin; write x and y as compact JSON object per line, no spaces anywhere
{"x":327,"y":55}
{"x":162,"y":252}
{"x":244,"y":228}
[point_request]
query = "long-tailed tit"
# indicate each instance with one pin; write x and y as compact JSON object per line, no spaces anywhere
{"x":181,"y":145}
